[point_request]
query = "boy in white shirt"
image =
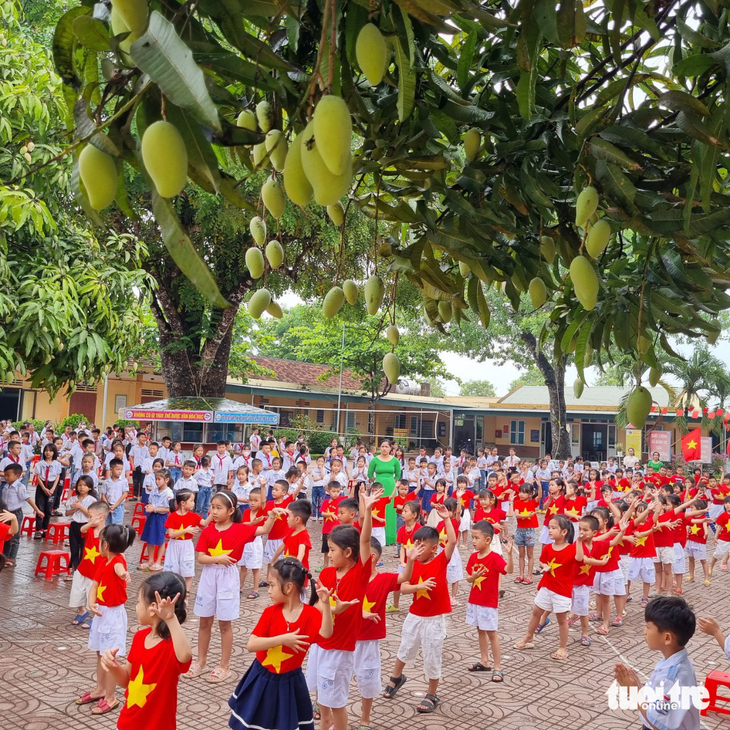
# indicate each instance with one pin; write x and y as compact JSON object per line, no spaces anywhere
{"x":152,"y":454}
{"x":273,"y":475}
{"x":114,"y":492}
{"x":187,"y":480}
{"x":473,"y":474}
{"x":15,"y":451}
{"x":254,"y":440}
{"x":337,"y":474}
{"x":412,"y":474}
{"x":138,"y":454}
{"x":257,"y":477}
{"x":204,"y":477}
{"x":267,"y":460}
{"x":243,"y":459}
{"x":164,"y":450}
{"x":222,"y":467}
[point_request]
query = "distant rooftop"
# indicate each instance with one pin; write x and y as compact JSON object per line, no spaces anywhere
{"x":600,"y":396}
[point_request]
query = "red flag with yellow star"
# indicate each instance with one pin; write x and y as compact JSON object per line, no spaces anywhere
{"x":691,"y":445}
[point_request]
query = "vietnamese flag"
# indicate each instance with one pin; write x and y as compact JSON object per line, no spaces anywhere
{"x":691,"y":445}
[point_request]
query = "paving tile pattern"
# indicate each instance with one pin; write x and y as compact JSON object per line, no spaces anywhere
{"x":45,"y":665}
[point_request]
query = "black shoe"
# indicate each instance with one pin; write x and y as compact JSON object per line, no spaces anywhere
{"x":57,"y":513}
{"x":263,"y":584}
{"x":39,"y":535}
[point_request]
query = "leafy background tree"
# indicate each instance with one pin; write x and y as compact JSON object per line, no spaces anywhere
{"x":479,"y":388}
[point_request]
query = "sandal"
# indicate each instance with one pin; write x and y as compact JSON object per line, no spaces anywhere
{"x":195,"y":671}
{"x":263,"y":584}
{"x":527,"y":582}
{"x":253,"y":594}
{"x":497,"y":676}
{"x":560,"y":655}
{"x":87,"y":699}
{"x":585,"y":641}
{"x":316,"y":714}
{"x":478,"y":667}
{"x":602,"y":630}
{"x":519,"y":579}
{"x":678,"y":591}
{"x":103,"y":707}
{"x":80,"y":618}
{"x":390,"y":608}
{"x":219,"y":675}
{"x":428,"y":704}
{"x":391,"y":690}
{"x":522,"y":644}
{"x":617,"y":622}
{"x":644,"y":602}
{"x":540,"y":627}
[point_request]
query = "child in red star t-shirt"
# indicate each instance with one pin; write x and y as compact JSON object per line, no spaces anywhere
{"x":160,"y":653}
{"x":555,"y":590}
{"x":425,"y":625}
{"x":297,"y":543}
{"x":722,"y":544}
{"x":643,"y":552}
{"x":484,"y":569}
{"x":330,"y":519}
{"x":524,"y":508}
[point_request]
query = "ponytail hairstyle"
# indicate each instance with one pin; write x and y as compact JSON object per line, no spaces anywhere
{"x":290,"y":570}
{"x":168,"y":585}
{"x":117,"y":538}
{"x":347,"y":537}
{"x":606,"y":516}
{"x":182,"y":496}
{"x":166,"y":475}
{"x":561,"y":484}
{"x":230,"y":500}
{"x":565,"y":524}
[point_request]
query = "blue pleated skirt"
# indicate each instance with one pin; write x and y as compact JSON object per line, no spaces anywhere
{"x":154,"y":529}
{"x":267,"y":701}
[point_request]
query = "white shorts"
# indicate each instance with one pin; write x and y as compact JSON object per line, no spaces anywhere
{"x":505,"y":506}
{"x":465,"y":523}
{"x":549,"y":600}
{"x":329,"y":673}
{"x":455,"y":568}
{"x":678,"y":567}
{"x":367,"y":668}
{"x":428,"y":634}
{"x":580,"y":601}
{"x":715,"y":511}
{"x":665,"y":555}
{"x":379,"y":534}
{"x":610,"y":584}
{"x":218,"y":592}
{"x":623,"y":563}
{"x":253,"y":554}
{"x":544,"y":537}
{"x":696,"y":550}
{"x":79,"y":590}
{"x":591,"y":506}
{"x":109,"y":631}
{"x":270,"y":548}
{"x":180,"y":558}
{"x":642,"y":569}
{"x":485,"y":618}
{"x":722,"y":548}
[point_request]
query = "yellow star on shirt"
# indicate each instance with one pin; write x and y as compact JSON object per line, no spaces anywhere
{"x":610,"y":550}
{"x":694,"y":529}
{"x":218,"y":550}
{"x":572,"y":511}
{"x":442,"y":534}
{"x":553,"y":565}
{"x":641,"y":541}
{"x":478,"y":581}
{"x":91,"y":554}
{"x":367,"y":606}
{"x":333,"y":604}
{"x":553,"y":510}
{"x":138,"y":691}
{"x":275,"y":657}
{"x":422,"y":593}
{"x":376,"y":513}
{"x":100,"y":592}
{"x":524,"y":513}
{"x":585,"y":569}
{"x":409,"y":544}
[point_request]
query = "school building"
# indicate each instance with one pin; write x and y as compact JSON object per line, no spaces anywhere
{"x":409,"y":414}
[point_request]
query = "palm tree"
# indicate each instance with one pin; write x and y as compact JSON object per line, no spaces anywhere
{"x":695,"y":377}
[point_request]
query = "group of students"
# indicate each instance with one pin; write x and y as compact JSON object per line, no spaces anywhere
{"x":596,"y":535}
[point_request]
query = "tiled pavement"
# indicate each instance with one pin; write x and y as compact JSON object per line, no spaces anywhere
{"x":44,"y":664}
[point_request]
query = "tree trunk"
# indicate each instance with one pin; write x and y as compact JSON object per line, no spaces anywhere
{"x":554,"y":375}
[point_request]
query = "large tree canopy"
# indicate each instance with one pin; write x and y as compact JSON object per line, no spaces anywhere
{"x":628,"y":97}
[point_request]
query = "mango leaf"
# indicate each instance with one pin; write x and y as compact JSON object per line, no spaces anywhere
{"x":616,"y":184}
{"x":466,"y":57}
{"x":225,"y":64}
{"x":64,"y":44}
{"x":692,"y":125}
{"x":165,"y":58}
{"x":526,"y":93}
{"x":693,"y":37}
{"x":85,"y":126}
{"x":694,"y":65}
{"x":92,"y":33}
{"x":603,"y":150}
{"x":183,"y":252}
{"x":406,"y":82}
{"x":683,"y":102}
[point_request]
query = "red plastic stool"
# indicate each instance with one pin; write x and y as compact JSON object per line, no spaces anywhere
{"x":714,"y":680}
{"x":138,"y":523}
{"x":66,"y":493}
{"x":145,"y":556}
{"x":28,"y":527}
{"x":58,"y":532}
{"x":139,"y":510}
{"x":50,"y":562}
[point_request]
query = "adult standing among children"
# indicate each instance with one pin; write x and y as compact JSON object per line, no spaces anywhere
{"x":386,"y":469}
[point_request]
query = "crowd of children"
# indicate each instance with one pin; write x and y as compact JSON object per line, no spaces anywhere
{"x":249,"y":510}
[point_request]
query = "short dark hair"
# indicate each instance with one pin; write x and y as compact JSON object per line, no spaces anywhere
{"x":591,"y":521}
{"x":292,"y":472}
{"x":349,"y":504}
{"x":673,"y":614}
{"x":375,"y":545}
{"x":301,"y":508}
{"x":16,"y":469}
{"x":190,"y":462}
{"x":426,"y":534}
{"x":116,"y":462}
{"x":486,"y":528}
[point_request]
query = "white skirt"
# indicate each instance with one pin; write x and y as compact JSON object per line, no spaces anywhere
{"x":109,"y":631}
{"x":715,"y":511}
{"x":544,"y":536}
{"x":465,"y":524}
{"x":379,"y":534}
{"x":180,"y":558}
{"x":253,"y":554}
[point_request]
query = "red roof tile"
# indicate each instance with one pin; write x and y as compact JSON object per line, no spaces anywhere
{"x":309,"y":374}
